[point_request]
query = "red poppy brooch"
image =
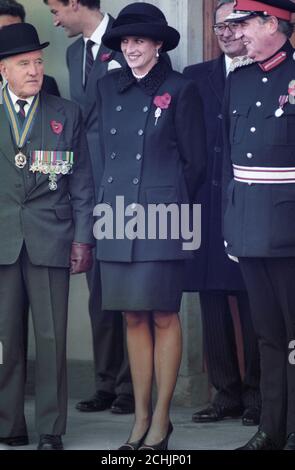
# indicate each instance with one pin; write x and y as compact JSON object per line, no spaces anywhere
{"x":56,"y":127}
{"x":106,"y":57}
{"x":161,"y":102}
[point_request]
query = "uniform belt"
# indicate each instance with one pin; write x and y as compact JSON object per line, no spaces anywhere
{"x":264,"y":175}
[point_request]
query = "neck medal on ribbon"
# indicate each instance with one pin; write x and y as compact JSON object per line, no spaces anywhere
{"x":52,"y":163}
{"x":20,"y":134}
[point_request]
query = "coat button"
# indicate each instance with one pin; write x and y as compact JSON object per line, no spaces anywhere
{"x":113,"y":131}
{"x":145,"y":109}
{"x":138,"y":157}
{"x":220,"y":116}
{"x":135,"y":181}
{"x":249,"y":155}
{"x":110,"y":179}
{"x":140,"y":132}
{"x":113,"y":156}
{"x":234,"y":111}
{"x":119,"y":108}
{"x":258,"y":104}
{"x":253,"y":129}
{"x":265,"y":79}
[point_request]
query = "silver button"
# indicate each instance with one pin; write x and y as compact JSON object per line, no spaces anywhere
{"x":140,"y":132}
{"x":253,"y":129}
{"x":135,"y":181}
{"x":110,"y":179}
{"x":133,"y":206}
{"x":249,"y":155}
{"x":113,"y":131}
{"x":119,"y":108}
{"x":113,"y":156}
{"x":138,"y":157}
{"x":249,"y":184}
{"x":145,"y":109}
{"x":265,"y":80}
{"x":234,"y":111}
{"x":258,"y":104}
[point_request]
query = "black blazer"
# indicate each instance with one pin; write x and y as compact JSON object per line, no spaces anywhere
{"x":212,"y":269}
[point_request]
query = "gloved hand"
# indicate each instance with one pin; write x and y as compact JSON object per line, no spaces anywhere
{"x":81,"y":258}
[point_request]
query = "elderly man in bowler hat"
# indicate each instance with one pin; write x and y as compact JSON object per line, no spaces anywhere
{"x":259,"y":222}
{"x":46,"y":203}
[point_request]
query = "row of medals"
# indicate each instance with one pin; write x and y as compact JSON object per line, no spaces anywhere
{"x":62,"y":168}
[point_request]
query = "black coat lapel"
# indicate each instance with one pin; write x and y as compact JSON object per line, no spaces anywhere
{"x":216,"y":77}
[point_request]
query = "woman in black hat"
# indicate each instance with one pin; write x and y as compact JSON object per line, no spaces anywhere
{"x":153,"y":152}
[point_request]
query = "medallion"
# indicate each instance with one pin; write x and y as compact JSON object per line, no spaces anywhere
{"x":20,"y":160}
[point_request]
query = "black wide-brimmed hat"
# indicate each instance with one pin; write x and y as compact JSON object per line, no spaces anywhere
{"x":19,"y":38}
{"x":245,"y":9}
{"x":143,"y":20}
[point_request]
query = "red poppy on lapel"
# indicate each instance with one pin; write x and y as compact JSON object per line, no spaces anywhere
{"x":163,"y":101}
{"x":57,"y":127}
{"x":106,"y":57}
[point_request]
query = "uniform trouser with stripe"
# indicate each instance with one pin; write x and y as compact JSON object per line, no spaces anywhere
{"x":271,"y":286}
{"x":221,"y":350}
{"x":47,"y":291}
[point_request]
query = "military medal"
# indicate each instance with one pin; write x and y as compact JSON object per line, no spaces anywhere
{"x":20,"y":134}
{"x":283,"y":99}
{"x":52,"y":163}
{"x":291,"y":91}
{"x":20,"y":160}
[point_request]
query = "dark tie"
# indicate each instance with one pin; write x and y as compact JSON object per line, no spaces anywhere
{"x":89,"y":60}
{"x":21,"y":114}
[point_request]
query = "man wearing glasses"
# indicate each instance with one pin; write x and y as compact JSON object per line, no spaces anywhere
{"x":215,"y":276}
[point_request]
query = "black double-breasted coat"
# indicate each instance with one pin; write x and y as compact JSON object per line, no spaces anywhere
{"x":145,"y":161}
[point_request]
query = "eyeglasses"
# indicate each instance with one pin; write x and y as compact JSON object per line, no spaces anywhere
{"x":220,"y":28}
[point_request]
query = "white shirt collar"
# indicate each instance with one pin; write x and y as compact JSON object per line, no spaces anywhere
{"x":14,"y":99}
{"x":100,"y":30}
{"x":228,"y":62}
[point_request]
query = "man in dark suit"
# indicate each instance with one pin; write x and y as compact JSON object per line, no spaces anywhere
{"x":88,"y":60}
{"x":213,"y":274}
{"x":259,"y":191}
{"x":12,"y":12}
{"x":46,"y":204}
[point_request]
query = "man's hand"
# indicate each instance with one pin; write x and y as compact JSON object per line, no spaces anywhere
{"x":81,"y":258}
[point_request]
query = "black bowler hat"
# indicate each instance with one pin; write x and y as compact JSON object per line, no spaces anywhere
{"x":244,"y":9}
{"x":143,"y":20}
{"x":19,"y":38}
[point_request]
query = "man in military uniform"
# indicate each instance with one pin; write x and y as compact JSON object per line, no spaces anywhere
{"x":46,"y":204}
{"x":259,"y":220}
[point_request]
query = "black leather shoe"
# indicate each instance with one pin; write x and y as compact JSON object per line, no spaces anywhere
{"x":216,"y":413}
{"x":123,"y":405}
{"x":260,"y":441}
{"x":99,"y":402}
{"x":134,"y":445}
{"x":50,"y":442}
{"x":251,"y":416}
{"x":15,"y":441}
{"x":290,"y":444}
{"x":162,"y":445}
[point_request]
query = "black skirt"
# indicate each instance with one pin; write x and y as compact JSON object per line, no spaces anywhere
{"x":142,"y":286}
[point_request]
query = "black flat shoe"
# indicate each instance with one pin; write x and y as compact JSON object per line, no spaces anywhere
{"x":15,"y":441}
{"x":251,"y":416}
{"x":134,"y":445}
{"x":162,"y":445}
{"x":50,"y":442}
{"x":99,"y":402}
{"x":215,"y":413}
{"x":260,"y":441}
{"x":290,"y":444}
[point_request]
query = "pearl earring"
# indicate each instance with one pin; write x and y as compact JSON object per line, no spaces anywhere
{"x":157,"y":53}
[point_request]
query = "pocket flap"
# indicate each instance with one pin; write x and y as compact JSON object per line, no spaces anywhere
{"x":161,"y":195}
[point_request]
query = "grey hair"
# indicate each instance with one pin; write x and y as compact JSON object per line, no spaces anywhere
{"x":284,"y":27}
{"x":220,"y":4}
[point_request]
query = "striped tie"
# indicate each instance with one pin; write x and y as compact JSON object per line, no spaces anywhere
{"x":89,"y":60}
{"x":21,"y":114}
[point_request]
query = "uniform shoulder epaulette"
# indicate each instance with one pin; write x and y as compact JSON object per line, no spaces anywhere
{"x":240,"y":61}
